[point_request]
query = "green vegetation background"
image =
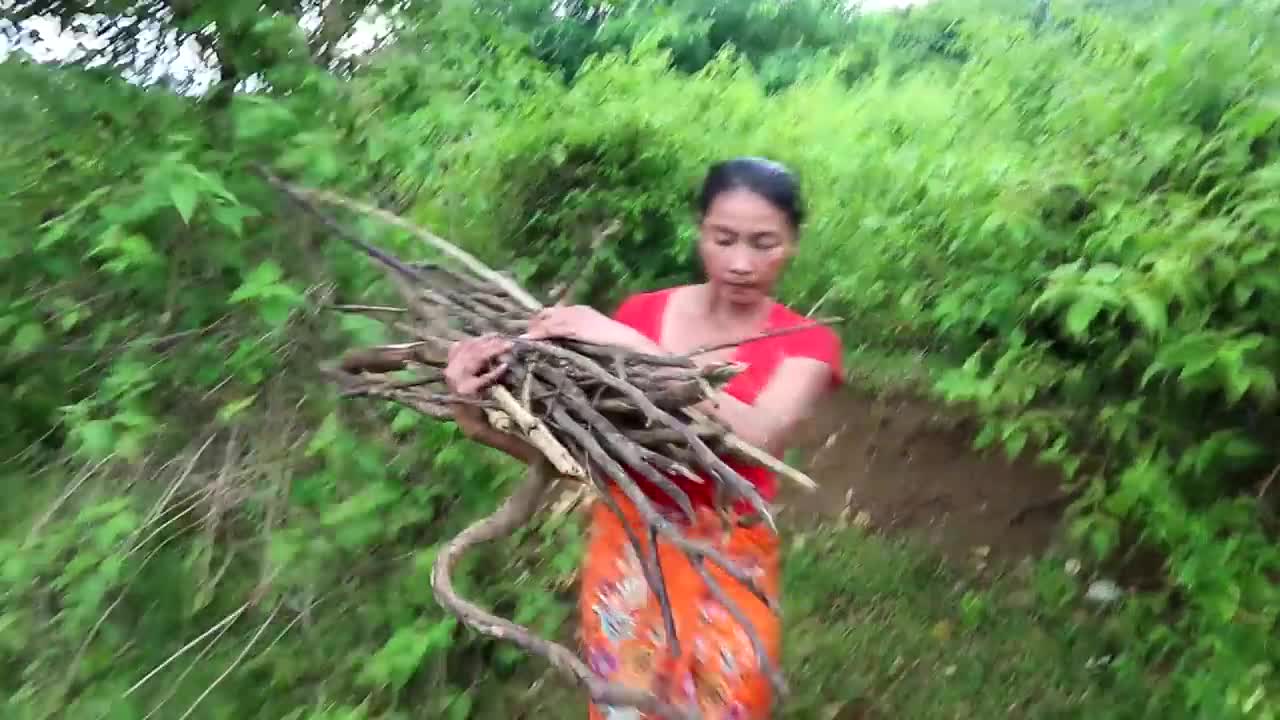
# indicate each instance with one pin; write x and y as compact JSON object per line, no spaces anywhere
{"x":1069,"y":208}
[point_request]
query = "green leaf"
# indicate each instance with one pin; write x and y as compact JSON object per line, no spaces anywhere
{"x":102,"y":510}
{"x":1015,"y":442}
{"x":460,"y":708}
{"x":1262,"y":382}
{"x":1256,"y":255}
{"x":258,"y":282}
{"x":1102,"y":540}
{"x":1239,"y":447}
{"x":203,"y":596}
{"x":404,"y":421}
{"x":69,"y":319}
{"x":363,"y":330}
{"x":1228,"y":602}
{"x":257,"y":117}
{"x":1237,"y":382}
{"x":97,"y":437}
{"x":1081,"y":315}
{"x":185,"y":198}
{"x":275,"y":314}
{"x":1105,"y":273}
{"x":130,"y":444}
{"x":28,"y":339}
{"x":227,"y":412}
{"x":1150,"y":312}
{"x":232,"y":216}
{"x":325,"y":436}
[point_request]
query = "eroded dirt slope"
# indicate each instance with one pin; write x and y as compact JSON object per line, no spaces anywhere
{"x":901,"y":464}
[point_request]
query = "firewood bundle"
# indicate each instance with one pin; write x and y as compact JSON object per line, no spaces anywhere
{"x":597,"y":414}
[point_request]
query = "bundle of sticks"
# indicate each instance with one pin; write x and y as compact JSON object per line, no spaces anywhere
{"x":596,"y":414}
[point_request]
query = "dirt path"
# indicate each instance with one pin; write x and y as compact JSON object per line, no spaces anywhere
{"x":901,"y":464}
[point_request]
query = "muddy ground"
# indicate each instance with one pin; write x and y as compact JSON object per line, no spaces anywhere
{"x":899,"y":464}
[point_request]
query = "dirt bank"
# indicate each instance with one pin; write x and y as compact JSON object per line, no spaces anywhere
{"x":902,"y":464}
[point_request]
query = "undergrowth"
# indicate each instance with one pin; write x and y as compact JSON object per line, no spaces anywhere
{"x":1067,"y":213}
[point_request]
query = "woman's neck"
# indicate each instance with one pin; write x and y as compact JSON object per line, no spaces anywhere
{"x":722,"y":312}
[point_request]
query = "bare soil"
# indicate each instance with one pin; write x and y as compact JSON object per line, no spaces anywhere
{"x":899,"y":464}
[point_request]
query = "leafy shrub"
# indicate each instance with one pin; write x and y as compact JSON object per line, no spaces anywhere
{"x":1075,"y":216}
{"x":1071,"y":211}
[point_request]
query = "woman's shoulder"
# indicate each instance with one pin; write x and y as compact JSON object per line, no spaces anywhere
{"x":643,"y":300}
{"x":642,"y":310}
{"x":648,"y":295}
{"x":818,"y":341}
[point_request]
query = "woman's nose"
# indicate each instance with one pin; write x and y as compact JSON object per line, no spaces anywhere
{"x":740,"y":261}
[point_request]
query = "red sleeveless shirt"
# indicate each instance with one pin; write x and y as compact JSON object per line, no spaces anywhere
{"x":644,"y":312}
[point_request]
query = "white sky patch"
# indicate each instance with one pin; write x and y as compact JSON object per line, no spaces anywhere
{"x":46,"y":40}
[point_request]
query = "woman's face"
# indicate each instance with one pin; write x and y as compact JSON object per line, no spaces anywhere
{"x":745,"y":243}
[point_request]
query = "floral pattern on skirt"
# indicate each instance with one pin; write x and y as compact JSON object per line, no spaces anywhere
{"x":623,"y":633}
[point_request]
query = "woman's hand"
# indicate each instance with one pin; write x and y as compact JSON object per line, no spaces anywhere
{"x":470,"y":370}
{"x":471,"y":366}
{"x":585,"y":324}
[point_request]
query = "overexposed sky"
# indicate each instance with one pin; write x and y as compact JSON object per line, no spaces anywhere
{"x":54,"y":43}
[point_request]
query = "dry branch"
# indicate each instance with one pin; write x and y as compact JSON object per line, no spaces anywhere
{"x":515,"y":512}
{"x":582,"y":406}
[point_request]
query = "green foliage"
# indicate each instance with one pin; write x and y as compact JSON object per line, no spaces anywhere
{"x":164,"y":303}
{"x":1070,"y":213}
{"x":779,"y":39}
{"x":882,"y":629}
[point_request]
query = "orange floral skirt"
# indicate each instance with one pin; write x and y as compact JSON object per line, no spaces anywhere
{"x":624,"y":635}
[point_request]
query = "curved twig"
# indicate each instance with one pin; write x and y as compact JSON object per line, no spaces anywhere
{"x":467,"y":259}
{"x":650,"y":563}
{"x":823,"y":322}
{"x":515,"y":512}
{"x":770,"y":670}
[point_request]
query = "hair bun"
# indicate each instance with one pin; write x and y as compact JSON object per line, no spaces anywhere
{"x":767,"y":178}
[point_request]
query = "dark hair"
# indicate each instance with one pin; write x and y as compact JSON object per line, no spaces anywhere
{"x":766,"y":178}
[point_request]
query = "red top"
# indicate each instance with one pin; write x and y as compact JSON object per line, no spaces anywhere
{"x":644,"y":313}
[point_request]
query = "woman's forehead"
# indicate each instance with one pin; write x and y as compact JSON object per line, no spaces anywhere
{"x":743,"y":210}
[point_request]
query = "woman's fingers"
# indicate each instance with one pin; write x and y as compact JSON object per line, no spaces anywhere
{"x":469,"y":351}
{"x":490,"y":349}
{"x":545,"y":324}
{"x":482,"y":381}
{"x":495,"y":345}
{"x":469,"y":366}
{"x":473,"y":384}
{"x":537,"y":329}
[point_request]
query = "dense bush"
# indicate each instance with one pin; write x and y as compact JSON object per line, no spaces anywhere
{"x":1071,"y":211}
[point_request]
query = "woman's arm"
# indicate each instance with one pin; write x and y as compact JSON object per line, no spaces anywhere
{"x":473,"y":423}
{"x":787,"y":400}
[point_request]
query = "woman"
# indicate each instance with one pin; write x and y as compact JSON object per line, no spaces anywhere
{"x":750,"y":214}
